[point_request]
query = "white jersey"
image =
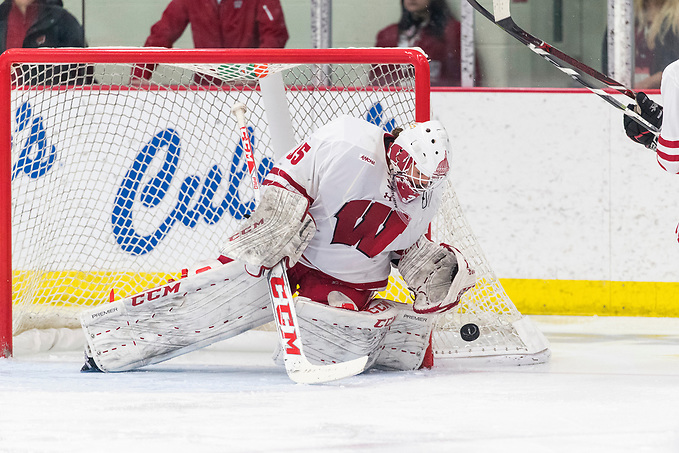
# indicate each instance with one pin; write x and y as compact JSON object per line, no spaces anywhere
{"x":668,"y":142}
{"x":342,"y":170}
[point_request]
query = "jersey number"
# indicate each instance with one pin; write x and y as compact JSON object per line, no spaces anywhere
{"x":298,"y":153}
{"x":370,"y":226}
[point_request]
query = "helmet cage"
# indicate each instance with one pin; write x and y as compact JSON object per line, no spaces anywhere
{"x":419,"y":158}
{"x":407,"y":179}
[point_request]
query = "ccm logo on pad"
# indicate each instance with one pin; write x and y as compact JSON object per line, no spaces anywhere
{"x":156,"y":293}
{"x":246,"y":230}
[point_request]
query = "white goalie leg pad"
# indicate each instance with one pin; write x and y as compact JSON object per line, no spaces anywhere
{"x":438,"y":275}
{"x":279,"y":228}
{"x":333,"y":335}
{"x":176,"y":318}
{"x":406,"y":342}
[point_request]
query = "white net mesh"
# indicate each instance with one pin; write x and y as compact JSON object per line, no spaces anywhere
{"x":118,"y":183}
{"x":486,"y":307}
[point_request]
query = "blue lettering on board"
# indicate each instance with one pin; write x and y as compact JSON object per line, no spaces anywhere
{"x":36,"y":156}
{"x":156,"y":188}
{"x":375,"y":116}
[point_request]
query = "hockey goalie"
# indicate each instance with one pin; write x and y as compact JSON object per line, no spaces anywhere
{"x":340,"y":210}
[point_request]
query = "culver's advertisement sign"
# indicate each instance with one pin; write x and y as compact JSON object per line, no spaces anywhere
{"x":139,"y":180}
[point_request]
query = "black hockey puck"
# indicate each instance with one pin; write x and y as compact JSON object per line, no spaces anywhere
{"x":469,"y":332}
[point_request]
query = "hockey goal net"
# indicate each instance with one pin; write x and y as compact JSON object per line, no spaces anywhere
{"x":126,"y":167}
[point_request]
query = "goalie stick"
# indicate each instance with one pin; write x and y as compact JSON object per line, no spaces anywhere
{"x":297,"y":365}
{"x":502,"y":18}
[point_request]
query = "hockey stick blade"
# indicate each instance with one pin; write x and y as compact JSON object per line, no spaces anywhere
{"x":298,"y":367}
{"x":559,"y":59}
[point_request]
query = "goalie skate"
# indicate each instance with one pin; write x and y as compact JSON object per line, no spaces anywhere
{"x":176,"y":318}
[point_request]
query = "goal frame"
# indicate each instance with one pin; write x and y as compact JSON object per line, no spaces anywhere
{"x":159,"y":56}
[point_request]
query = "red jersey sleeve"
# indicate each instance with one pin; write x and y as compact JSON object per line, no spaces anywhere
{"x":272,"y":30}
{"x":171,"y":25}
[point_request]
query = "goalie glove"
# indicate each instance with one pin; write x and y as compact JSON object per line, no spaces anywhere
{"x":651,"y":112}
{"x":280,"y":228}
{"x":439,"y":275}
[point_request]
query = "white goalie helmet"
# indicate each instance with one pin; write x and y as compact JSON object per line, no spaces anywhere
{"x":419,"y":159}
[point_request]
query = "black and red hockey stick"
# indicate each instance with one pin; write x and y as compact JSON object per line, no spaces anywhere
{"x":502,"y":18}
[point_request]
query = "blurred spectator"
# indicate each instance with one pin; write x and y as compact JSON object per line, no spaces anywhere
{"x":218,"y":24}
{"x":657,"y":39}
{"x":42,"y":23}
{"x":428,"y":24}
{"x":38,"y":23}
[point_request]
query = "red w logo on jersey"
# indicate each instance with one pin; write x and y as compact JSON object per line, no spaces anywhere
{"x":368,"y":225}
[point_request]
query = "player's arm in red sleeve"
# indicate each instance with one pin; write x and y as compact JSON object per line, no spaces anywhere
{"x":164,"y":33}
{"x":171,"y":25}
{"x":273,"y":32}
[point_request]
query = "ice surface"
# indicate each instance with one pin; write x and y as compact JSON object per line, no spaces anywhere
{"x":611,"y":386}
